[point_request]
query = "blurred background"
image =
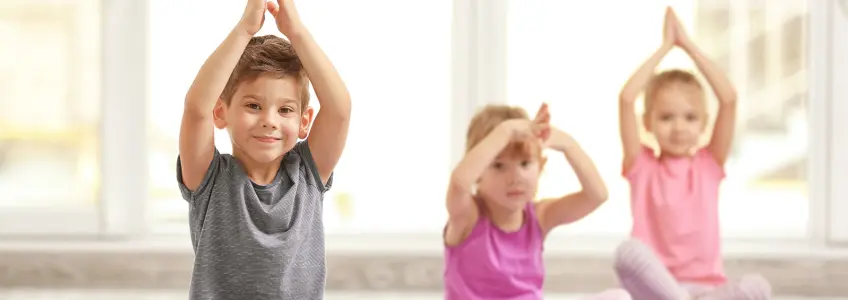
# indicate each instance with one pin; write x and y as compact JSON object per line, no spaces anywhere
{"x":91,"y":97}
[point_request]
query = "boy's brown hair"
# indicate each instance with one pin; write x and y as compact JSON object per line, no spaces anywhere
{"x":267,"y":55}
{"x":485,"y":121}
{"x":668,"y":78}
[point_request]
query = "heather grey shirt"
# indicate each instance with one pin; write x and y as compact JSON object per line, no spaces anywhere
{"x":258,"y":242}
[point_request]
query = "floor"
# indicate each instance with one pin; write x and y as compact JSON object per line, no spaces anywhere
{"x":169,"y":295}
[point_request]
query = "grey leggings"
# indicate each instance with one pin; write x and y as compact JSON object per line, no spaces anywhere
{"x":644,"y":276}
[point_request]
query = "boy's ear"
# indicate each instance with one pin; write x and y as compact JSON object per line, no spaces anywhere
{"x":219,"y":113}
{"x":305,"y":122}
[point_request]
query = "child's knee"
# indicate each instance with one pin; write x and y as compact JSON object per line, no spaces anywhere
{"x":617,"y":294}
{"x":756,"y":287}
{"x":611,"y":294}
{"x":630,"y":254}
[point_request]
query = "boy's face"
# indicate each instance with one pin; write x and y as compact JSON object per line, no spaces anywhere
{"x":265,"y":118}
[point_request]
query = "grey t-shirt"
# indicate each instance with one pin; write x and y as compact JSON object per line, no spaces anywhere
{"x":258,"y":242}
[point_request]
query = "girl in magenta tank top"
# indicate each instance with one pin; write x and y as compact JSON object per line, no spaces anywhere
{"x":495,"y":232}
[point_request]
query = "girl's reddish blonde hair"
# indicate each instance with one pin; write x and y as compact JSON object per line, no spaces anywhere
{"x":487,"y":119}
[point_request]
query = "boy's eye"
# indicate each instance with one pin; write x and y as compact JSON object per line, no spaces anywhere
{"x":497,"y":165}
{"x":286,"y":110}
{"x":666,"y":117}
{"x":252,"y":106}
{"x":525,"y":163}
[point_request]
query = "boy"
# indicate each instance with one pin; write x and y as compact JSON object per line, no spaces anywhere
{"x":255,"y":215}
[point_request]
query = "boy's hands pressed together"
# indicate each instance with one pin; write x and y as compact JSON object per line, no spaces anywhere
{"x":253,"y":17}
{"x":286,"y":16}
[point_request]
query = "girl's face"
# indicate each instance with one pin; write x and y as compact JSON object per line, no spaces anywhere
{"x":677,"y":119}
{"x":513,"y":178}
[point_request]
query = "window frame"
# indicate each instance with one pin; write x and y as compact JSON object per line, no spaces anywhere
{"x":478,"y":78}
{"x":829,"y":22}
{"x":52,"y":221}
{"x":828,"y":199}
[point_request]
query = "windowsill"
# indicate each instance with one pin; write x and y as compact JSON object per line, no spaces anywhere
{"x":428,"y":244}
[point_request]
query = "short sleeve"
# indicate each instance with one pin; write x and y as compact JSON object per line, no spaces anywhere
{"x":707,"y":164}
{"x":644,"y":160}
{"x":302,"y":150}
{"x":212,"y":173}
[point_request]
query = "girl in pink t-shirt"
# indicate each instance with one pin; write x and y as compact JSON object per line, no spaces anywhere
{"x":495,"y":231}
{"x":675,"y":250}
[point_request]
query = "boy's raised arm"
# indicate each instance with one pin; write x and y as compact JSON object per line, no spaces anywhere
{"x":197,"y":145}
{"x":328,"y":135}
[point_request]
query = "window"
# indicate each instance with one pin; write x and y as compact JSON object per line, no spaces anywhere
{"x":580,"y":72}
{"x":793,"y":51}
{"x":757,"y":62}
{"x":397,"y":158}
{"x":49,"y":139}
{"x":829,"y":21}
{"x":84,"y":144}
{"x":712,"y":19}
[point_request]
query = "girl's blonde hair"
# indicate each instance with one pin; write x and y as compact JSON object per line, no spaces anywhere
{"x":486,"y":120}
{"x":670,"y":78}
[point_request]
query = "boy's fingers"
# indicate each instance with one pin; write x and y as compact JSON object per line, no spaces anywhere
{"x":272,"y":7}
{"x":255,"y":4}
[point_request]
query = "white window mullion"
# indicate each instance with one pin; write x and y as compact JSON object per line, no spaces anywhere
{"x":124,"y":135}
{"x":491,"y":51}
{"x":836,"y":92}
{"x":479,"y":63}
{"x":819,"y":103}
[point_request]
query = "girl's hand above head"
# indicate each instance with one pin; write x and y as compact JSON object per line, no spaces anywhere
{"x":559,"y":140}
{"x":543,"y":119}
{"x":669,"y":28}
{"x":681,"y":39}
{"x":522,"y":129}
{"x":543,"y":115}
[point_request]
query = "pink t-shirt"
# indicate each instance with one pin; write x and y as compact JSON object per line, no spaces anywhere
{"x":674,"y":202}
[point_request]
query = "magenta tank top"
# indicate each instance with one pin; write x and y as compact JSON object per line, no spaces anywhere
{"x":492,"y":264}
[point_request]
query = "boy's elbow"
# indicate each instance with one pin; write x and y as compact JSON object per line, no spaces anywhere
{"x":341,"y":111}
{"x":195,"y":107}
{"x":626,"y":98}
